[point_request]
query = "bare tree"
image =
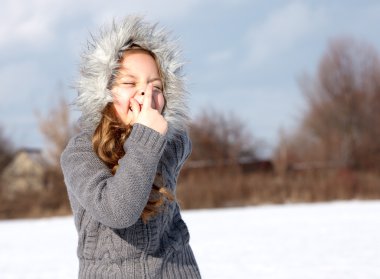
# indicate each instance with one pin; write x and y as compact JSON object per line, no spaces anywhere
{"x":6,"y":150}
{"x":220,"y":138}
{"x":341,"y":124}
{"x":57,"y":129}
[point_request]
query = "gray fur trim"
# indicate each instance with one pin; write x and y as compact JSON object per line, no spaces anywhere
{"x":100,"y":61}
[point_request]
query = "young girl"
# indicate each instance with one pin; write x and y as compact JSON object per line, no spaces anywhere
{"x":121,"y":170}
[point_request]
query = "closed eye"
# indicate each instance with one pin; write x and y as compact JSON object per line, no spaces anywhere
{"x":157,"y":90}
{"x":128,"y":83}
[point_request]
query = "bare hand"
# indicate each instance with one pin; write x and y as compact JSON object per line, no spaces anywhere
{"x":149,"y":116}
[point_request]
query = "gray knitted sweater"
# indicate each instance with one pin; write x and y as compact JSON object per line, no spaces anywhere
{"x":113,"y":240}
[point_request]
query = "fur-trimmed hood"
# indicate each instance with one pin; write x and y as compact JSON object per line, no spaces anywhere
{"x":100,"y":62}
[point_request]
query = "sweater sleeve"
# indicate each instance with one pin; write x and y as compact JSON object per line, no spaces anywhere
{"x":116,"y":200}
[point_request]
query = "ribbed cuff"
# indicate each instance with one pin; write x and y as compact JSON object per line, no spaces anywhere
{"x":147,"y":137}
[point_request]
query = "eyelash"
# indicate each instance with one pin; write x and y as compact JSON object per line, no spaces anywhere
{"x":132,"y":83}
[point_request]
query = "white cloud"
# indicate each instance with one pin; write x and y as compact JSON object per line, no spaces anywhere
{"x":164,"y":9}
{"x":281,"y":31}
{"x":34,"y":32}
{"x":28,"y":22}
{"x":35,"y":22}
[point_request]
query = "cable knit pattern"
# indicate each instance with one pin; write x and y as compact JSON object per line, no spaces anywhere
{"x":113,"y":240}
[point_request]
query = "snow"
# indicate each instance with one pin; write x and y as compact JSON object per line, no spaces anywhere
{"x":326,"y":240}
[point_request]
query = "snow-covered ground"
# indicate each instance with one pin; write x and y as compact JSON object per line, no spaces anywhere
{"x":339,"y":240}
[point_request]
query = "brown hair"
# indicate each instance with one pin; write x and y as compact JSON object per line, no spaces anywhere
{"x":108,"y":140}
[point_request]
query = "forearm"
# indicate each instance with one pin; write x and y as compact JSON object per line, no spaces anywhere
{"x":116,"y":201}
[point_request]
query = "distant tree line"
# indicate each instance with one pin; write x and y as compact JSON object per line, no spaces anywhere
{"x":6,"y":149}
{"x":220,"y":138}
{"x":341,"y":124}
{"x":333,"y":154}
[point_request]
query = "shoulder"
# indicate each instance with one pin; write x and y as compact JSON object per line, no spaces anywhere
{"x":180,"y":140}
{"x":82,"y":138}
{"x":79,"y":143}
{"x":180,"y":146}
{"x":184,"y":139}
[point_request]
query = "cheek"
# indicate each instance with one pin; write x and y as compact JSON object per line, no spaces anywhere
{"x":160,"y":102}
{"x":121,"y":100}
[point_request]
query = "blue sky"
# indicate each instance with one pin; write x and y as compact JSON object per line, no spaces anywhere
{"x":244,"y":56}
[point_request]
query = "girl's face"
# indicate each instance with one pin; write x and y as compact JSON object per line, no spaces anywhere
{"x":137,"y":70}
